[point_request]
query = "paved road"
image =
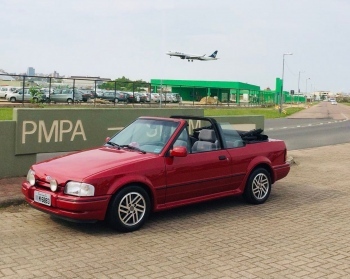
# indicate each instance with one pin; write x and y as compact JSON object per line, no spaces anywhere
{"x":321,"y":125}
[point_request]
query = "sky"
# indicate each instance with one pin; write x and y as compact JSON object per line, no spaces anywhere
{"x":115,"y":38}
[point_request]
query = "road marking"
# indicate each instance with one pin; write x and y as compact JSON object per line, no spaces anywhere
{"x":345,"y":116}
{"x":306,"y":125}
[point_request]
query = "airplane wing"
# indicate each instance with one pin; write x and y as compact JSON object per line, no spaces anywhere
{"x":207,"y":58}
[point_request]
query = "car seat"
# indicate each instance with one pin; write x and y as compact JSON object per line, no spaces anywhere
{"x":206,"y":141}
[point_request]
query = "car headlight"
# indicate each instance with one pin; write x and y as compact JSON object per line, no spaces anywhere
{"x":31,"y":177}
{"x":53,"y":185}
{"x":79,"y":189}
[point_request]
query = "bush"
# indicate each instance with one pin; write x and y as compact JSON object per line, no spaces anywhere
{"x":35,"y":92}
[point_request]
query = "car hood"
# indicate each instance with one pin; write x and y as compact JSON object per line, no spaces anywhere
{"x":80,"y":165}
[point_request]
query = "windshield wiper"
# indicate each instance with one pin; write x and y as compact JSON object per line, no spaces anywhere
{"x":132,"y":148}
{"x":113,"y":144}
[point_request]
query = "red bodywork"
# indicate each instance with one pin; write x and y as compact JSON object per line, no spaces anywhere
{"x":170,"y":181}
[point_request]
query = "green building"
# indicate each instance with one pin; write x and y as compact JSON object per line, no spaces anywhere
{"x":223,"y":91}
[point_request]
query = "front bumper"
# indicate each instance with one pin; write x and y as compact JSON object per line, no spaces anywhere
{"x":78,"y":209}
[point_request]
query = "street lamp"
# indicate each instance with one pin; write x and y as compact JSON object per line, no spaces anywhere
{"x":280,"y":108}
{"x":299,"y":81}
{"x":306,"y":85}
{"x":299,"y":85}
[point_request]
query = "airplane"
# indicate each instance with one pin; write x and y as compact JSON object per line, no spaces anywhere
{"x":191,"y":57}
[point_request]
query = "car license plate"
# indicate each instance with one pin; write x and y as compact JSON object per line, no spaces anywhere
{"x":42,"y":198}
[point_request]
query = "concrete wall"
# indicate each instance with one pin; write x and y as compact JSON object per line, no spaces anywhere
{"x":38,"y":134}
{"x":10,"y":164}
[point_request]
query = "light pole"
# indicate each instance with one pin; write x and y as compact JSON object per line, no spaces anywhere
{"x":280,"y":108}
{"x":306,"y":87}
{"x":299,"y":85}
{"x":299,"y":81}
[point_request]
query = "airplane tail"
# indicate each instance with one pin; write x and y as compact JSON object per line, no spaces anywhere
{"x":214,"y":54}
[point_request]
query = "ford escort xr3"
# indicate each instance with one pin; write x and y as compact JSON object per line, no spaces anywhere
{"x":155,"y":164}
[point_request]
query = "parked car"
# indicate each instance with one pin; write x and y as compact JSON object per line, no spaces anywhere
{"x":121,"y":97}
{"x":142,"y":97}
{"x":154,"y":164}
{"x":132,"y":97}
{"x":87,"y":94}
{"x":4,"y":90}
{"x":18,"y":96}
{"x":66,"y":96}
{"x":106,"y":95}
{"x":155,"y":97}
{"x":159,"y":97}
{"x":167,"y":97}
{"x":175,"y":97}
{"x":146,"y":95}
{"x":114,"y":96}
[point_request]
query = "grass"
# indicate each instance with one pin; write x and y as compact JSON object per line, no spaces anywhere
{"x":6,"y":113}
{"x":266,"y":112}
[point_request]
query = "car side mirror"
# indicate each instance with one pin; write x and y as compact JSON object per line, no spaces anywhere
{"x":107,"y":139}
{"x":178,"y":151}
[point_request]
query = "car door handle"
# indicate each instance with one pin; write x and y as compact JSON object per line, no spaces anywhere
{"x":222,"y":157}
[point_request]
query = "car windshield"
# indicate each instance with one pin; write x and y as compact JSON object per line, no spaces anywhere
{"x":149,"y":135}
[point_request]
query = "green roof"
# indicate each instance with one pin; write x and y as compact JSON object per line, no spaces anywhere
{"x":205,"y":83}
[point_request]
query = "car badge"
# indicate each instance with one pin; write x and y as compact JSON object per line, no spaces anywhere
{"x":48,"y":178}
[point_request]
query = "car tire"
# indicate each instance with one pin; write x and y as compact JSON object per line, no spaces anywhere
{"x":35,"y":100}
{"x":116,"y":100}
{"x":12,"y":99}
{"x":69,"y":101}
{"x":258,"y":187}
{"x":129,"y":209}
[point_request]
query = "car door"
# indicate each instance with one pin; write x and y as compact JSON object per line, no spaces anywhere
{"x":20,"y":97}
{"x":27,"y":95}
{"x":55,"y":95}
{"x":65,"y":95}
{"x":198,"y":175}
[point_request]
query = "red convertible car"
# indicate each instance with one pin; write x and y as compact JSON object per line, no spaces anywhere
{"x":155,"y":164}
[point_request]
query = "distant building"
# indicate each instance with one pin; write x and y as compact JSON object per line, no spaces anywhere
{"x":55,"y":74}
{"x":5,"y":79}
{"x":30,"y":71}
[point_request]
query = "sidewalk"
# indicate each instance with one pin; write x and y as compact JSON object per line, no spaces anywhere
{"x":10,"y":191}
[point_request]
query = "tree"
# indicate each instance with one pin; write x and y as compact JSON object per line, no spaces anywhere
{"x":124,"y":84}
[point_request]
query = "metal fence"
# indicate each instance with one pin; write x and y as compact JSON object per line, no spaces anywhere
{"x":100,"y":91}
{"x":71,"y":90}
